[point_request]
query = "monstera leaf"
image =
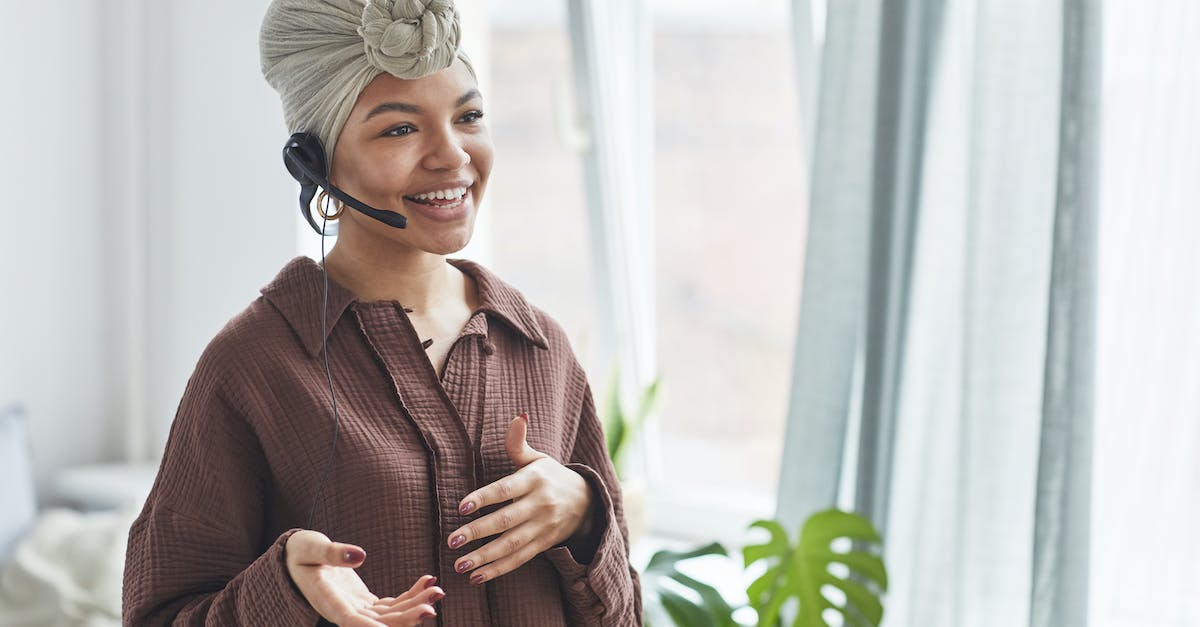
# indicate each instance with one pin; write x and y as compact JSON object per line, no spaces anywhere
{"x":801,"y":571}
{"x":662,"y":579}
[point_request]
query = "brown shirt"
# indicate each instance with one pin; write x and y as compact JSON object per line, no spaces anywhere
{"x":253,"y":432}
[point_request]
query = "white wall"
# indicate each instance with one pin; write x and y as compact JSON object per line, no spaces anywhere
{"x":224,"y":225}
{"x":52,"y":314}
{"x":147,"y":203}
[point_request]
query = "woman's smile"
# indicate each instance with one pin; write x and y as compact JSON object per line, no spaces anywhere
{"x":455,"y":205}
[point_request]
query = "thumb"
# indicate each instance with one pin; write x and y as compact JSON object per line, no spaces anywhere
{"x":518,"y":448}
{"x":313,"y":548}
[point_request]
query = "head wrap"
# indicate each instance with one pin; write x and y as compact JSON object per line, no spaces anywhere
{"x":320,"y":54}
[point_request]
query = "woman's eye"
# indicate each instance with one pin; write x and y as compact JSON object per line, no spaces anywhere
{"x":472,"y":116}
{"x":400,"y":131}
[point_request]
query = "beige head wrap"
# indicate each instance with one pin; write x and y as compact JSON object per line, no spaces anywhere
{"x":320,"y":54}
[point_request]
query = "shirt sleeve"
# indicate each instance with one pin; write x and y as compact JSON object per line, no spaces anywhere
{"x":196,"y":552}
{"x":601,"y":588}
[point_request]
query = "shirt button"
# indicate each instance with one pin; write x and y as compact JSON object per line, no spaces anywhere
{"x":579,"y":585}
{"x":488,"y":347}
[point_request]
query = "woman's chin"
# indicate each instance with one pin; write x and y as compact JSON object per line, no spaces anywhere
{"x":446,"y":243}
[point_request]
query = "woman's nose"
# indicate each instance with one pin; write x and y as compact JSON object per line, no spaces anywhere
{"x":447,"y":153}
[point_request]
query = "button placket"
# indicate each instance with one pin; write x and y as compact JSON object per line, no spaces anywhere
{"x":431,"y":410}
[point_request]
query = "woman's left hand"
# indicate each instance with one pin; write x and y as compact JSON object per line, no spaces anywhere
{"x":550,"y":503}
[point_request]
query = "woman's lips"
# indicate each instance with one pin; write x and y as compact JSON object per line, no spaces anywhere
{"x":444,"y":213}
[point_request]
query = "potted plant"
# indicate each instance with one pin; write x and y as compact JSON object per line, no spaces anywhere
{"x":801,"y":572}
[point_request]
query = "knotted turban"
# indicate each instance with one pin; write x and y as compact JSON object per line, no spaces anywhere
{"x":320,"y":54}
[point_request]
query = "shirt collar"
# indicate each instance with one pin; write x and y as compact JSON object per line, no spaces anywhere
{"x":298,"y":289}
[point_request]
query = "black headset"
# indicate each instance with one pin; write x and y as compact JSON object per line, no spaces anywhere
{"x":304,"y":157}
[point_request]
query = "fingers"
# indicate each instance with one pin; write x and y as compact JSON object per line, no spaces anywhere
{"x":513,"y":542}
{"x":313,"y":548}
{"x":515,"y":485}
{"x":422,"y":584}
{"x":502,"y":555}
{"x":408,"y":617}
{"x":422,"y":592}
{"x":502,"y":490}
{"x":497,"y":522}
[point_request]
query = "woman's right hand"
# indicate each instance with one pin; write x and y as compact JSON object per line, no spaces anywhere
{"x":324,"y":572}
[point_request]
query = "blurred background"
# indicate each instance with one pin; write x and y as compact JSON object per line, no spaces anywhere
{"x":931,"y":261}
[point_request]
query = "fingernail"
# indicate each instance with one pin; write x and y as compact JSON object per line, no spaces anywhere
{"x":464,"y":566}
{"x":524,"y":415}
{"x":353,"y":556}
{"x":431,"y":583}
{"x":466,"y":508}
{"x":426,"y":615}
{"x":457,"y":541}
{"x":476,"y":579}
{"x":437,"y":596}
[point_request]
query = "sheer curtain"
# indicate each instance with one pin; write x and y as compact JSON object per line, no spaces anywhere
{"x":947,"y":341}
{"x":1146,"y":511}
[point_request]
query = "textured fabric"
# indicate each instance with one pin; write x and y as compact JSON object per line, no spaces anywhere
{"x":320,"y":54}
{"x":253,"y":435}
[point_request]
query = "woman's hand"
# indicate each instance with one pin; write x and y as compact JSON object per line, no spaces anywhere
{"x":550,"y":503}
{"x":324,"y":572}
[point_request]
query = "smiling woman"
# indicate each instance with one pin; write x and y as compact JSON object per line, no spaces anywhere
{"x":410,"y":138}
{"x":391,"y":435}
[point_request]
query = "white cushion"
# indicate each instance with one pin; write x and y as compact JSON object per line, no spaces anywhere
{"x":18,"y":504}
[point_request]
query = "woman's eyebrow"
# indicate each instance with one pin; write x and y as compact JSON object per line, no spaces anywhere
{"x":404,"y":107}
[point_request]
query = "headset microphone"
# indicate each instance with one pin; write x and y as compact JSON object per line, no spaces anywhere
{"x":305,"y":160}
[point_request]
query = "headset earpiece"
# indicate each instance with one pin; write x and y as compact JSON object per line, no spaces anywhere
{"x":304,"y":157}
{"x":305,"y":160}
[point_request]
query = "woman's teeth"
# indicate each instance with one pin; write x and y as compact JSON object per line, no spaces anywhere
{"x":452,"y":195}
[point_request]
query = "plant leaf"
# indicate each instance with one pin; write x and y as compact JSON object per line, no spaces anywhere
{"x":661,"y":579}
{"x":614,"y":418}
{"x":711,"y":600}
{"x":802,"y":570}
{"x":683,"y":611}
{"x":664,"y":561}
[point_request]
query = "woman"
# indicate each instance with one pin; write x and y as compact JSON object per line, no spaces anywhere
{"x":450,"y":439}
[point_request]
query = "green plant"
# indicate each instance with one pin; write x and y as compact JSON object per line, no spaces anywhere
{"x":801,"y":571}
{"x":797,"y":571}
{"x":660,"y":579}
{"x":619,"y":424}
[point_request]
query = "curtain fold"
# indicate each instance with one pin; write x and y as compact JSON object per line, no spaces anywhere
{"x":952,"y":246}
{"x":834,"y":297}
{"x":1062,"y":527}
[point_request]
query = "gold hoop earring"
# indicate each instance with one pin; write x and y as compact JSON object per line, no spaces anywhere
{"x":323,"y":206}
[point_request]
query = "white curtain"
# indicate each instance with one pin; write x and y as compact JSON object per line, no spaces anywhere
{"x":1146,"y":549}
{"x":944,"y":365}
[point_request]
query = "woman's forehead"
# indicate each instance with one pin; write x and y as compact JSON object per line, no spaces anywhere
{"x":442,"y":89}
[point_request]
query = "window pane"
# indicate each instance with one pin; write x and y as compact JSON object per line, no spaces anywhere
{"x":731,"y":200}
{"x":539,"y":239}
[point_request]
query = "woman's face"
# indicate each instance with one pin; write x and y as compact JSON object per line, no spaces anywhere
{"x":420,"y":148}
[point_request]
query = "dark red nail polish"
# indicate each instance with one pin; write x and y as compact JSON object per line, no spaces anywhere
{"x":354,"y":556}
{"x":457,"y":541}
{"x":476,"y":579}
{"x":426,"y":615}
{"x":431,"y":583}
{"x":464,"y":566}
{"x":437,"y":596}
{"x":466,"y":508}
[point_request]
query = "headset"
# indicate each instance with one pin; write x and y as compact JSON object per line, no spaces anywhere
{"x":304,"y":157}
